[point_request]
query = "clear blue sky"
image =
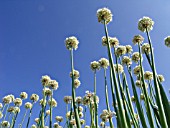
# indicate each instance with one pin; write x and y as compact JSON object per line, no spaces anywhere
{"x":32,"y":34}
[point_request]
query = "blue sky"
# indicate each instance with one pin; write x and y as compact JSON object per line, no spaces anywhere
{"x":32,"y":34}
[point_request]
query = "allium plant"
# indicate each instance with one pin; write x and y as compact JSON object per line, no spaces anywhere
{"x":147,"y":106}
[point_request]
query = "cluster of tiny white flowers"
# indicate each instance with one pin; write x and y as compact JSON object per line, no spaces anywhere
{"x":146,"y":48}
{"x":167,"y":41}
{"x":71,"y":43}
{"x":137,"y":39}
{"x":145,"y":23}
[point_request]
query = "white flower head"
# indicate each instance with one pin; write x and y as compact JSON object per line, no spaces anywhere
{"x":118,"y":68}
{"x":1,"y":114}
{"x":146,"y":48}
{"x":5,"y":124}
{"x":95,"y":66}
{"x":104,"y":63}
{"x":71,"y":43}
{"x":53,"y":84}
{"x":137,"y":39}
{"x":52,"y":102}
{"x":67,"y":99}
{"x":23,"y":95}
{"x":28,"y":105}
{"x":79,"y":100}
{"x":161,"y":78}
{"x":75,"y":73}
{"x":136,"y":57}
{"x":167,"y":41}
{"x":148,"y":75}
{"x":104,"y":14}
{"x":77,"y":83}
{"x":145,"y":23}
{"x":129,"y":49}
{"x":47,"y":91}
{"x":18,"y":102}
{"x":45,"y":80}
{"x":34,"y":97}
{"x":137,"y":70}
{"x":126,"y":61}
{"x":120,"y":50}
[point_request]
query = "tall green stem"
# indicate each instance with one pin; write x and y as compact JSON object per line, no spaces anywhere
{"x":157,"y":89}
{"x":23,"y":118}
{"x":73,"y":92}
{"x":122,"y":114}
{"x":30,"y":116}
{"x":50,"y":125}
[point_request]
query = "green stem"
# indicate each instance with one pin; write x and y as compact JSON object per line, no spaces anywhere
{"x":122,"y":114}
{"x":50,"y":125}
{"x":23,"y":118}
{"x":95,"y":104}
{"x":157,"y":89}
{"x":29,"y":116}
{"x":43,"y":109}
{"x":107,"y":99}
{"x":6,"y":111}
{"x":149,"y":113}
{"x":74,"y":93}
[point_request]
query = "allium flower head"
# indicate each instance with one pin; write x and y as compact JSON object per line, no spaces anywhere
{"x":5,"y":124}
{"x":126,"y":61}
{"x":18,"y":102}
{"x":56,"y":125}
{"x":33,"y":126}
{"x":146,"y":48}
{"x":113,"y":41}
{"x":120,"y":50}
{"x":53,"y":84}
{"x":23,"y":95}
{"x":11,"y":109}
{"x":41,"y":102}
{"x":95,"y":66}
{"x":45,"y":80}
{"x":142,"y":97}
{"x":34,"y":97}
{"x":167,"y":41}
{"x":104,"y":63}
{"x":28,"y":105}
{"x":82,"y":121}
{"x":161,"y":78}
{"x":16,"y":110}
{"x":148,"y":75}
{"x":106,"y":115}
{"x":136,"y":57}
{"x":129,"y":49}
{"x":47,"y":112}
{"x":71,"y":43}
{"x":118,"y":68}
{"x":133,"y":99}
{"x":104,"y":14}
{"x":138,"y":83}
{"x":79,"y":99}
{"x":67,"y":99}
{"x":7,"y":99}
{"x":37,"y":120}
{"x":75,"y":73}
{"x":80,"y":108}
{"x":73,"y":122}
{"x":52,"y":102}
{"x":81,"y":114}
{"x":12,"y":97}
{"x":77,"y":83}
{"x":47,"y":91}
{"x":137,"y":70}
{"x":137,"y":39}
{"x":145,"y":23}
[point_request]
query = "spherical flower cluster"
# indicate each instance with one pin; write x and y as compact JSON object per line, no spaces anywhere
{"x":52,"y":102}
{"x":5,"y":124}
{"x":47,"y":112}
{"x":95,"y":66}
{"x":136,"y":57}
{"x":129,"y":49}
{"x":146,"y":48}
{"x":138,"y":83}
{"x":18,"y":102}
{"x":33,"y":126}
{"x":104,"y":63}
{"x":118,"y":68}
{"x":56,"y":125}
{"x":89,"y":98}
{"x":120,"y":50}
{"x":133,"y":99}
{"x":53,"y":84}
{"x":81,"y":114}
{"x":23,"y":95}
{"x":7,"y":99}
{"x":16,"y":109}
{"x":148,"y":75}
{"x":137,"y":39}
{"x":45,"y":80}
{"x":106,"y":115}
{"x":161,"y":78}
{"x":34,"y":97}
{"x":137,"y":70}
{"x":79,"y":100}
{"x":43,"y":102}
{"x":73,"y":122}
{"x":102,"y":124}
{"x":80,"y":108}
{"x":47,"y":92}
{"x":145,"y":23}
{"x":142,"y":97}
{"x":37,"y":120}
{"x":82,"y":121}
{"x":10,"y":109}
{"x":167,"y":41}
{"x":75,"y":73}
{"x":67,"y":99}
{"x":113,"y":41}
{"x":104,"y":15}
{"x":71,"y":43}
{"x":77,"y":83}
{"x":126,"y":61}
{"x":28,"y":105}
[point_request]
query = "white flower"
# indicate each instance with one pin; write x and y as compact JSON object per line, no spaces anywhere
{"x":79,"y":99}
{"x":95,"y":66}
{"x":137,"y":70}
{"x":77,"y":83}
{"x":71,"y":43}
{"x":67,"y":99}
{"x":53,"y":84}
{"x":145,"y":23}
{"x":23,"y":95}
{"x":1,"y":115}
{"x":47,"y":112}
{"x":34,"y":97}
{"x":37,"y":120}
{"x":161,"y":78}
{"x":104,"y":63}
{"x":28,"y":105}
{"x":129,"y":49}
{"x":76,"y":74}
{"x":146,"y":48}
{"x":33,"y":126}
{"x":136,"y":57}
{"x":126,"y":60}
{"x":137,"y":39}
{"x":148,"y":75}
{"x":1,"y":106}
{"x":118,"y":68}
{"x":5,"y":124}
{"x":167,"y":41}
{"x":104,"y":14}
{"x":16,"y":109}
{"x":120,"y":50}
{"x":18,"y":102}
{"x":52,"y":102}
{"x":47,"y":91}
{"x":45,"y":80}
